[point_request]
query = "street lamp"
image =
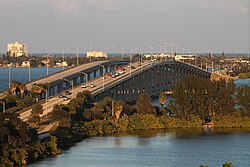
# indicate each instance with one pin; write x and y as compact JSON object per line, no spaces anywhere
{"x":46,"y":101}
{"x":130,"y":56}
{"x":29,"y":70}
{"x":90,"y":48}
{"x":103,"y":78}
{"x":86,"y":75}
{"x":107,"y":45}
{"x":151,"y":52}
{"x":77,"y":54}
{"x":9,"y":75}
{"x":123,"y":51}
{"x":63,"y":59}
{"x":47,"y":65}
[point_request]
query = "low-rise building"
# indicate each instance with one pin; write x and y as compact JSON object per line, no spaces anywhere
{"x":17,"y":49}
{"x":62,"y":64}
{"x":184,"y":57}
{"x":97,"y":54}
{"x":25,"y":63}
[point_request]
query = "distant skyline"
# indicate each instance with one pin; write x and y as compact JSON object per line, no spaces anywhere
{"x":54,"y":26}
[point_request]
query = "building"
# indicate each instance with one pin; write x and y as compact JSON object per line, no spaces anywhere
{"x":62,"y":64}
{"x":26,"y":64}
{"x":97,"y":54}
{"x":184,"y":57}
{"x":17,"y":49}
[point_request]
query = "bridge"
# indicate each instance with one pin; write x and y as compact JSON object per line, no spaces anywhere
{"x":149,"y":77}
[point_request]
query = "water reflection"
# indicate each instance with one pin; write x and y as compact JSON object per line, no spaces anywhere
{"x":159,"y":148}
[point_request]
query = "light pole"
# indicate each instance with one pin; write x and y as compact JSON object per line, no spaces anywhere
{"x":107,"y":45}
{"x":151,"y":53}
{"x":86,"y":75}
{"x":77,"y":54}
{"x":47,"y":65}
{"x":123,"y":51}
{"x":90,"y":48}
{"x":103,"y":78}
{"x":29,"y":70}
{"x":46,"y":102}
{"x":63,"y":59}
{"x":130,"y":56}
{"x":9,"y":75}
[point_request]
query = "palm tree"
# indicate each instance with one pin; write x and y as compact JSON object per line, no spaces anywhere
{"x":119,"y":109}
{"x":40,"y":88}
{"x":14,"y":87}
{"x":23,"y":89}
{"x":162,"y":99}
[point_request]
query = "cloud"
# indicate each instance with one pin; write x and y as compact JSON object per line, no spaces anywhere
{"x":233,"y":6}
{"x":67,"y":6}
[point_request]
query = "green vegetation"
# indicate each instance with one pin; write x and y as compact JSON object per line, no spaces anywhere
{"x":191,"y":106}
{"x":209,"y":99}
{"x":227,"y":164}
{"x":19,"y":144}
{"x":241,"y":70}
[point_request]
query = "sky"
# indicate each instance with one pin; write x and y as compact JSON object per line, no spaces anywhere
{"x":54,"y":26}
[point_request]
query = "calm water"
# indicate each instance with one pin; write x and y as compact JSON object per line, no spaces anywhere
{"x":22,"y":75}
{"x":173,"y":148}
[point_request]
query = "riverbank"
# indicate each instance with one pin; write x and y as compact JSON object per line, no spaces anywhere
{"x":68,"y":136}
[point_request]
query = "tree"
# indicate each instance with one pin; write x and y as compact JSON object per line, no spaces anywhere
{"x":228,"y":164}
{"x":162,"y":99}
{"x":36,"y":111}
{"x":243,"y":98}
{"x":14,"y":87}
{"x":118,"y":109}
{"x":23,"y":89}
{"x":143,"y":104}
{"x":61,"y":113}
{"x":40,"y":88}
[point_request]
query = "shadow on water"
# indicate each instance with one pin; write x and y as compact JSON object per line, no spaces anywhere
{"x":182,"y":133}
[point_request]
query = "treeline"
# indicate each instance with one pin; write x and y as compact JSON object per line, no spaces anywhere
{"x":195,"y":101}
{"x":19,"y":144}
{"x":206,"y":99}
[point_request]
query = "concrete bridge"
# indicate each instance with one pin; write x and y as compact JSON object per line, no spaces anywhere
{"x":151,"y":79}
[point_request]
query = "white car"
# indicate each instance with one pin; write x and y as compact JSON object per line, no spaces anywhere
{"x":84,"y":86}
{"x":92,"y":85}
{"x":65,"y":98}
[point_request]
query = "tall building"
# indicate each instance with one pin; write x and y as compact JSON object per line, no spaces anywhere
{"x":17,"y":49}
{"x":96,"y":54}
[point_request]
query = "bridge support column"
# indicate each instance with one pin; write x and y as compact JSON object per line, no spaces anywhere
{"x":59,"y":88}
{"x":75,"y":81}
{"x":81,"y":79}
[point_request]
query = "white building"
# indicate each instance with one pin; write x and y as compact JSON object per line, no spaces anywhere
{"x":17,"y":49}
{"x":25,"y":63}
{"x":184,"y":57}
{"x":162,"y":55}
{"x":62,"y":64}
{"x":97,"y":54}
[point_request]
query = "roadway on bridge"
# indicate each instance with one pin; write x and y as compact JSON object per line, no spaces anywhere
{"x":98,"y":82}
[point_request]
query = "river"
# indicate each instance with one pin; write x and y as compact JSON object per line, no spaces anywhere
{"x":174,"y":148}
{"x":22,"y":75}
{"x":158,"y":148}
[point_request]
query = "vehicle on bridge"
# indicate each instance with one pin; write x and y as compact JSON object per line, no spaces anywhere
{"x":67,"y":92}
{"x":65,"y":98}
{"x":84,"y":86}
